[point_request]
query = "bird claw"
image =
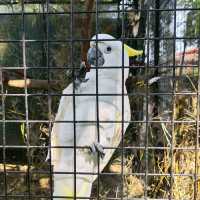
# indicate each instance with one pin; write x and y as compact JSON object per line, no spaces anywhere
{"x":84,"y":80}
{"x":97,"y":148}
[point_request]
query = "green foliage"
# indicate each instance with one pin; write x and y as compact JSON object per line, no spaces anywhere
{"x":193,"y":17}
{"x":197,"y":21}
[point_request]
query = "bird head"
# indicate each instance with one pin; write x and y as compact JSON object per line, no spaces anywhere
{"x":105,"y":51}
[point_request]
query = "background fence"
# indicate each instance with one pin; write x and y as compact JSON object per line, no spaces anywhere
{"x":42,"y":44}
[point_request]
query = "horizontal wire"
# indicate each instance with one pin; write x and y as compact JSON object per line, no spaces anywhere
{"x":93,"y":121}
{"x":108,"y":67}
{"x":103,"y":94}
{"x":107,"y":173}
{"x":101,"y":11}
{"x":68,"y":197}
{"x":100,"y":40}
{"x":105,"y":147}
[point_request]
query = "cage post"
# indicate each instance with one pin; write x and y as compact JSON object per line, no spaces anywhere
{"x":173,"y":102}
{"x":146,"y":99}
{"x":4,"y":134}
{"x":97,"y":94}
{"x":23,"y":40}
{"x":197,"y":150}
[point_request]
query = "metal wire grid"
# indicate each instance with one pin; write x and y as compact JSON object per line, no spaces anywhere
{"x":147,"y":94}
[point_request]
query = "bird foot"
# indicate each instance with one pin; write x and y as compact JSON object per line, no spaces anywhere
{"x":97,"y":148}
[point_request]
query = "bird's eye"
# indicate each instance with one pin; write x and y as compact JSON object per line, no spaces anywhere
{"x":108,"y":49}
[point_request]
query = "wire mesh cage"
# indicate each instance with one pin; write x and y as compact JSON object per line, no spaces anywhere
{"x":84,"y":115}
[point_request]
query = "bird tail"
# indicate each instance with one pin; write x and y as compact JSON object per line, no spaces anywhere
{"x":64,"y":187}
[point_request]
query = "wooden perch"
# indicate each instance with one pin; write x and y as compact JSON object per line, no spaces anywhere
{"x":32,"y":83}
{"x":22,"y":83}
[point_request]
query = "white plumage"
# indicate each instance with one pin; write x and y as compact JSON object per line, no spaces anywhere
{"x":110,"y":109}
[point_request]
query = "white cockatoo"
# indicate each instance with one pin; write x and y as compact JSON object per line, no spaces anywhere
{"x":91,"y":138}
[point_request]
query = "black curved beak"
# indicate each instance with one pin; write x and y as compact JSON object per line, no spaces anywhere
{"x":95,"y":57}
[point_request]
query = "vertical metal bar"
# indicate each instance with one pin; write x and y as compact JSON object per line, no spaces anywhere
{"x":122,"y":84}
{"x":26,"y":98}
{"x":173,"y":106}
{"x":156,"y":53}
{"x":157,"y":33}
{"x":197,"y":128}
{"x":49,"y":96}
{"x":74,"y":89}
{"x":147,"y":108}
{"x":118,"y":19}
{"x":97,"y":95}
{"x":4,"y":133}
